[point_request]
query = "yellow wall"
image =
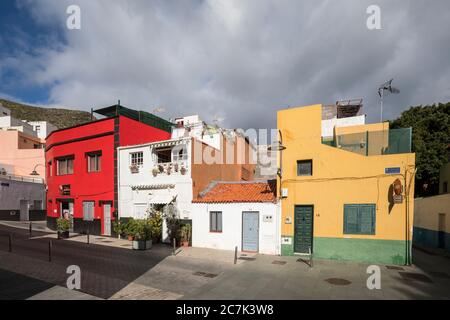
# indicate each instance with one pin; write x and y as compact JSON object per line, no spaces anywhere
{"x":427,"y":210}
{"x":339,"y":177}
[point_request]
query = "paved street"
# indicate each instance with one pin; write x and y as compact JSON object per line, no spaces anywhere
{"x":112,"y":272}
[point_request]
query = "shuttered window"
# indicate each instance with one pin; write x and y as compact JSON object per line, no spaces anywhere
{"x":304,"y":167}
{"x":88,"y":210}
{"x":359,"y":219}
{"x":215,"y":221}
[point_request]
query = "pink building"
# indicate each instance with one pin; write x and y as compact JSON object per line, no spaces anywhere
{"x":21,"y":153}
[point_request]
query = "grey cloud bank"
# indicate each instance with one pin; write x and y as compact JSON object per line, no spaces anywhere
{"x":241,"y":60}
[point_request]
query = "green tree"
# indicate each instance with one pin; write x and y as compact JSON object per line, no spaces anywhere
{"x":430,"y":141}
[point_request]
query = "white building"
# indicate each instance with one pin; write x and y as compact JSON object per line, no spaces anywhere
{"x":153,"y":175}
{"x":42,"y":128}
{"x":245,"y":215}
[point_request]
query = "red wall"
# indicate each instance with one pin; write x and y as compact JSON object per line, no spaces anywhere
{"x":93,"y":186}
{"x":134,"y":132}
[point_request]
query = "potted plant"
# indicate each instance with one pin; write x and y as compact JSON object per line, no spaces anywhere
{"x":186,"y":231}
{"x":175,"y":167}
{"x":134,"y":168}
{"x":155,"y":171}
{"x":183,"y":170}
{"x":119,"y":228}
{"x":129,"y":229}
{"x":142,"y":235}
{"x":160,"y":168}
{"x":63,"y":226}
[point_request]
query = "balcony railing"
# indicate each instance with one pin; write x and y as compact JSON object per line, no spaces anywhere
{"x":369,"y":143}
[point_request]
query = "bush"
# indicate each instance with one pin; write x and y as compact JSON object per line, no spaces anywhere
{"x":139,"y":229}
{"x":156,"y":222}
{"x":62,"y":224}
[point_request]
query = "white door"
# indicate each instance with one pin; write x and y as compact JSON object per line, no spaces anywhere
{"x":107,"y":219}
{"x":71,"y":216}
{"x":24,"y":210}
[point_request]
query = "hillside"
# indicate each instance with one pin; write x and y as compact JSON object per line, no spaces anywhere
{"x":62,"y":118}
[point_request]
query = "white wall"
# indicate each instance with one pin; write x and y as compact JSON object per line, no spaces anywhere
{"x":329,"y":124}
{"x":8,"y":122}
{"x":231,"y":235}
{"x":128,"y":198}
{"x":45,"y":128}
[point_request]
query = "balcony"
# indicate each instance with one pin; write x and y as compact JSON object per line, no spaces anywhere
{"x":370,"y":143}
{"x":176,"y":168}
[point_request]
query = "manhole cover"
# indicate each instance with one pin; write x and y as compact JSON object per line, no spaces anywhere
{"x":204,"y":274}
{"x":106,"y":241}
{"x":125,"y":245}
{"x":338,"y":281}
{"x":439,"y":274}
{"x":415,"y":276}
{"x":247,"y":258}
{"x":100,"y":238}
{"x":395,"y":268}
{"x":279,"y":262}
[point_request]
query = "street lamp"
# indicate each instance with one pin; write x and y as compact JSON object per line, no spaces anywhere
{"x":34,"y":172}
{"x":387,"y":86}
{"x":278,"y":146}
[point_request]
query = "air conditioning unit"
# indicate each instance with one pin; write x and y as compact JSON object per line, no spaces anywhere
{"x":284,"y":192}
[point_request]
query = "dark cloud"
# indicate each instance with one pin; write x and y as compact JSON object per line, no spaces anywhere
{"x":242,"y":60}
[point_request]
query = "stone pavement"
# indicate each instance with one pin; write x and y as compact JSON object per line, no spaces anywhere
{"x":110,"y":271}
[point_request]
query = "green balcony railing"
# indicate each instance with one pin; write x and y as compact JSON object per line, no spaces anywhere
{"x":369,"y":143}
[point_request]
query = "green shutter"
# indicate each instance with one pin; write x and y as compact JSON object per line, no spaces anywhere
{"x":359,"y":219}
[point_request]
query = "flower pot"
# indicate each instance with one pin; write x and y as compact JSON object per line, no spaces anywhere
{"x":185,"y":244}
{"x":130,"y":238}
{"x":63,"y":234}
{"x":139,"y":244}
{"x":148,"y":244}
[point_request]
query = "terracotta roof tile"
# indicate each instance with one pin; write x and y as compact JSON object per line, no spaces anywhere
{"x":227,"y":192}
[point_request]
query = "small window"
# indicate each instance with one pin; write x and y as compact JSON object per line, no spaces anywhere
{"x":359,"y":219}
{"x":65,"y":166}
{"x":304,"y":167}
{"x":163,"y":155}
{"x":137,"y":158}
{"x":88,"y":210}
{"x":215,"y":221}
{"x":94,"y":161}
{"x":180,"y":154}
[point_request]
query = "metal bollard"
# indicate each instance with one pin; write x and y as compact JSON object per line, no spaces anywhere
{"x":31,"y":228}
{"x":310,"y":258}
{"x":50,"y":251}
{"x":10,"y":242}
{"x":174,"y":246}
{"x":235,"y":255}
{"x":87,"y":236}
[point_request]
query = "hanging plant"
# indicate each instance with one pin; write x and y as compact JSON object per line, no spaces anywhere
{"x":183,"y":170}
{"x":175,"y":167}
{"x":155,"y":172}
{"x":161,"y":168}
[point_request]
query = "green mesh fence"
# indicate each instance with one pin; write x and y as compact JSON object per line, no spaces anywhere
{"x":369,"y":143}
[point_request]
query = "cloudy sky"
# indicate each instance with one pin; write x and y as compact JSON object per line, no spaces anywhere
{"x":240,"y":60}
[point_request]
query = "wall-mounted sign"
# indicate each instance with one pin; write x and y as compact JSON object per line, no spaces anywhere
{"x":288,"y":220}
{"x":286,"y":240}
{"x":268,"y":218}
{"x":393,"y":170}
{"x":397,"y":189}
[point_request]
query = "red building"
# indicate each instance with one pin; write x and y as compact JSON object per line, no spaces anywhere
{"x":82,"y":166}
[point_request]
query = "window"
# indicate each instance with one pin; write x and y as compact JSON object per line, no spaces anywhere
{"x":88,"y":210}
{"x":38,"y":129}
{"x":49,"y":169}
{"x":445,"y":187}
{"x":37,"y":205}
{"x":180,"y":154}
{"x":163,"y":155}
{"x":94,"y":161}
{"x":304,"y":168}
{"x":137,"y":158}
{"x":65,"y":165}
{"x":215,"y":221}
{"x":359,"y":219}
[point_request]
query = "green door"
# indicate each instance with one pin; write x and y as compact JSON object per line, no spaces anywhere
{"x":303,"y":229}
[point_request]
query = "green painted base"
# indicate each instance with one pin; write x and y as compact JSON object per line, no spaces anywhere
{"x":364,"y":250}
{"x":287,"y":249}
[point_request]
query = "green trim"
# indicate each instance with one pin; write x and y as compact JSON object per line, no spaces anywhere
{"x":287,"y":249}
{"x":365,"y":250}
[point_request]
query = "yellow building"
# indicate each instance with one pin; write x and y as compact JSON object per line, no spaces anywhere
{"x":337,"y":195}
